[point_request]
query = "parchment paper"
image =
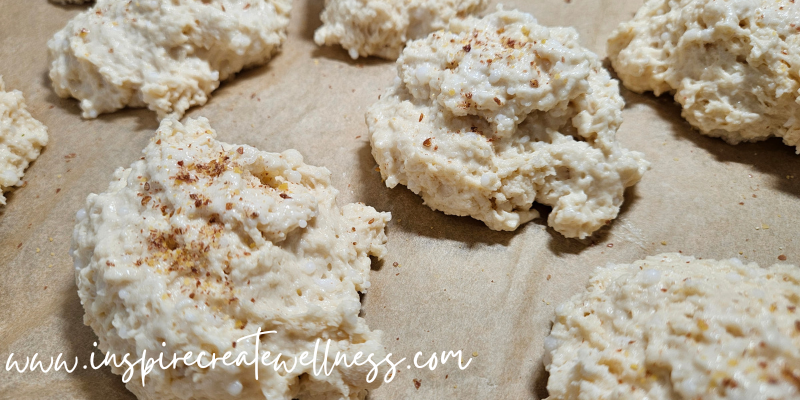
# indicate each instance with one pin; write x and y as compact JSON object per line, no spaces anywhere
{"x":458,"y":285}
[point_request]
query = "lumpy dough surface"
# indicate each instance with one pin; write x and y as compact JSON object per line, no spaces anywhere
{"x":494,"y":114}
{"x":202,"y":243}
{"x":674,"y":327}
{"x":161,"y":54}
{"x":733,"y":65}
{"x":382,"y":27}
{"x":21,"y":139}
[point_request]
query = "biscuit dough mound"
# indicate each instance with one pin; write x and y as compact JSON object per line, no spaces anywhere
{"x":21,"y":138}
{"x":201,"y":243}
{"x":733,"y":65}
{"x":382,"y":27}
{"x":166,"y":55}
{"x":675,"y":327}
{"x":496,"y":113}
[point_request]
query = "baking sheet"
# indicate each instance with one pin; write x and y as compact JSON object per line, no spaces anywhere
{"x":458,"y":285}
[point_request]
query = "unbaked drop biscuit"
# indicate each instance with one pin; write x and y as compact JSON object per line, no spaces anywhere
{"x":673,"y":327}
{"x":21,"y":139}
{"x":494,"y":114}
{"x":382,"y":27}
{"x":733,"y":65}
{"x":202,"y":243}
{"x":166,"y":55}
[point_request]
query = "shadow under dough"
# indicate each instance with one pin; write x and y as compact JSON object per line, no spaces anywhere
{"x":312,"y":22}
{"x":538,"y":384}
{"x":338,"y":53}
{"x":145,"y":118}
{"x":67,"y":6}
{"x":69,"y":105}
{"x":411,"y":215}
{"x":312,"y":19}
{"x":770,"y":156}
{"x":96,"y":384}
{"x":559,"y":244}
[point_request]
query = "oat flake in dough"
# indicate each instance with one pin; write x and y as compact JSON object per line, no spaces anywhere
{"x":202,"y":242}
{"x":733,"y":65}
{"x":382,"y":27}
{"x":496,"y":113}
{"x":164,"y":55}
{"x":21,"y":139}
{"x":674,"y":327}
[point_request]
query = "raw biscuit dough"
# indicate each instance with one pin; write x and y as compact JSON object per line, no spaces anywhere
{"x":21,"y":139}
{"x":382,"y":27}
{"x":202,"y":242}
{"x":733,"y":65}
{"x":499,"y":112}
{"x":673,"y":327}
{"x":161,"y":54}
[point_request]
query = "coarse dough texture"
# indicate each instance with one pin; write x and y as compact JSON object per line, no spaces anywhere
{"x":733,"y":65}
{"x":166,"y":55}
{"x":673,"y":327}
{"x":201,"y":243}
{"x":382,"y":27}
{"x":496,"y":113}
{"x":21,"y":139}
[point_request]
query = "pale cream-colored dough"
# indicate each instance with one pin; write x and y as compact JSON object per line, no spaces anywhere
{"x":496,"y":113}
{"x":733,"y":65}
{"x":382,"y":27}
{"x":21,"y":139}
{"x":673,"y":327}
{"x":161,"y":54}
{"x":201,"y":243}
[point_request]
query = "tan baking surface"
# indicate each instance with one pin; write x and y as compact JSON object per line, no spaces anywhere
{"x":459,"y":285}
